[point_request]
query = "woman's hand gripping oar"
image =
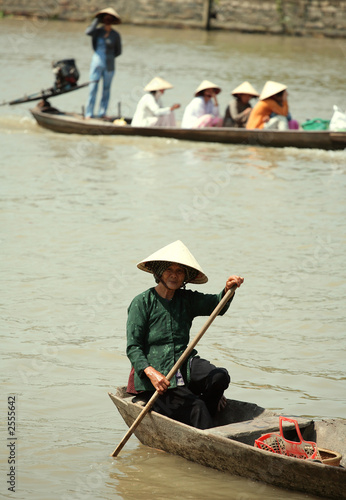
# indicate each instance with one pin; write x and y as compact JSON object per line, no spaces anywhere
{"x":176,"y":367}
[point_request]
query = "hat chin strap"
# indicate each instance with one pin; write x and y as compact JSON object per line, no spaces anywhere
{"x":160,"y":280}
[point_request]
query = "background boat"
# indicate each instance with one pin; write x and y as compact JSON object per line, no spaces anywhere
{"x":72,"y":123}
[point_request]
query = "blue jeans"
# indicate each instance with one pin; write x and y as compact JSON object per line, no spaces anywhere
{"x":97,"y":71}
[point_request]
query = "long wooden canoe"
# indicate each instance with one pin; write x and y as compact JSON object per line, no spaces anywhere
{"x":72,"y":123}
{"x":229,"y":446}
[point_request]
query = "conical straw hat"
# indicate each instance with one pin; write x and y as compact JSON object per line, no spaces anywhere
{"x":271,"y":88}
{"x":157,"y":83}
{"x":111,"y":12}
{"x":207,"y":85}
{"x":245,"y":88}
{"x":178,"y":253}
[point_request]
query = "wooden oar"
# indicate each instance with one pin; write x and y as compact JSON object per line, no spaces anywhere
{"x":175,"y":368}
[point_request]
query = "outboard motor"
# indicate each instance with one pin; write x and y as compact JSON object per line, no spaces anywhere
{"x":66,"y":74}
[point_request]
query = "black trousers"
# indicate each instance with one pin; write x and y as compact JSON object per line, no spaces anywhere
{"x":196,"y":403}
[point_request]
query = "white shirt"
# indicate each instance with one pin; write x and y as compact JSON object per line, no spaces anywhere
{"x":197,"y":108}
{"x":149,"y":109}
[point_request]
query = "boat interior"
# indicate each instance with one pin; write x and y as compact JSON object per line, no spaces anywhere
{"x":245,"y":422}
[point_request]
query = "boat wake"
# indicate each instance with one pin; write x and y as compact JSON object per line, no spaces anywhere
{"x":14,"y":124}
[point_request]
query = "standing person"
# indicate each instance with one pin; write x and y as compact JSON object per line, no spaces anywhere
{"x":158,"y":331}
{"x":150,"y":111}
{"x":239,"y":109}
{"x":203,"y":110}
{"x":271,"y":111}
{"x":106,"y":43}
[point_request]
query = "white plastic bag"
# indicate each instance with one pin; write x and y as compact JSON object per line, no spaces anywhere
{"x":338,"y":121}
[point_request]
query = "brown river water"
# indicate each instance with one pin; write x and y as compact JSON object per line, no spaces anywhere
{"x":78,"y":213}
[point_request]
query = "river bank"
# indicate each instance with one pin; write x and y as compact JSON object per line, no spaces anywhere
{"x":323,"y":18}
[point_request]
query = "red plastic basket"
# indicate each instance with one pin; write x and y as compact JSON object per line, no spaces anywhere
{"x":277,"y":443}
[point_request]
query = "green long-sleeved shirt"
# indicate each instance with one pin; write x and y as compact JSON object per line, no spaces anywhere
{"x":158,"y":330}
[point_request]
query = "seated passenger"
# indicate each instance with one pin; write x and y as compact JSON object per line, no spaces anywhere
{"x":239,"y":109}
{"x":271,"y":111}
{"x":150,"y":111}
{"x":203,"y":110}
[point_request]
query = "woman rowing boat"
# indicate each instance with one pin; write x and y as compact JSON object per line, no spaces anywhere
{"x":158,"y":330}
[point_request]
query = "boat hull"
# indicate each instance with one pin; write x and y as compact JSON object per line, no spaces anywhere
{"x":70,"y":123}
{"x":212,"y":449}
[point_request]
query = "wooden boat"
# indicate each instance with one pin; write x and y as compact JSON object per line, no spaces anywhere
{"x":229,"y":446}
{"x":73,"y":123}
